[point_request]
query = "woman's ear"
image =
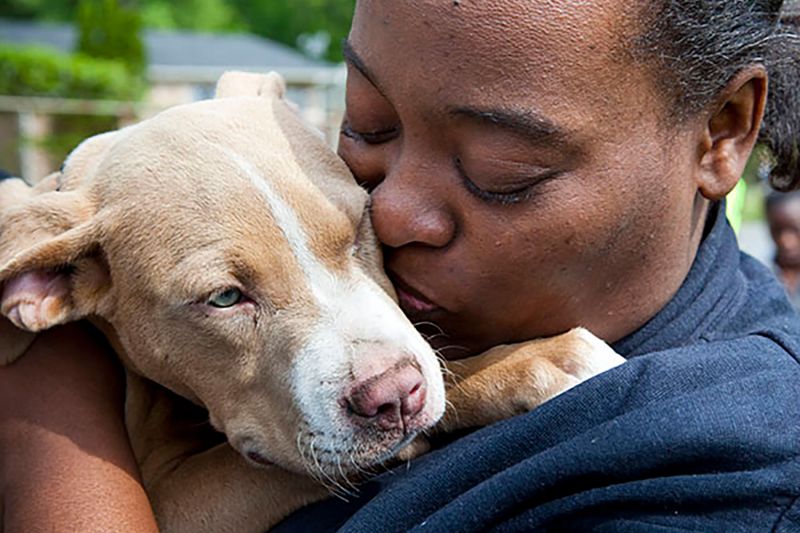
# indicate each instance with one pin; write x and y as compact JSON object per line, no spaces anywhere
{"x":731,"y":132}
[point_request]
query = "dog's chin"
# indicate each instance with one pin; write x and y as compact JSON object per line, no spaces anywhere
{"x":336,"y":453}
{"x":349,"y":457}
{"x":407,"y":439}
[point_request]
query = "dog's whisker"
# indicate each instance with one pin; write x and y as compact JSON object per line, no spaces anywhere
{"x":354,"y":490}
{"x":313,"y":449}
{"x":430,"y":324}
{"x":445,"y":363}
{"x":452,"y":411}
{"x":408,"y":464}
{"x":359,"y":469}
{"x":447,"y":372}
{"x":316,"y":473}
{"x":343,"y":493}
{"x":450,"y":406}
{"x":339,"y":468}
{"x":451,"y":347}
{"x":368,"y":468}
{"x":301,"y":448}
{"x":331,"y":484}
{"x":355,"y":453}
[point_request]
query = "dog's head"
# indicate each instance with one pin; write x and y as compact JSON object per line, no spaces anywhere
{"x":231,"y":253}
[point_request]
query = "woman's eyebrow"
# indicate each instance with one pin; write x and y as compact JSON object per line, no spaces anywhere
{"x":352,"y":58}
{"x":527,"y":124}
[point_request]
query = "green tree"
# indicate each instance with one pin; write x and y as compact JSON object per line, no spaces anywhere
{"x":198,"y":15}
{"x":289,"y":20}
{"x":53,"y":10}
{"x":109,"y":30}
{"x":297,"y":23}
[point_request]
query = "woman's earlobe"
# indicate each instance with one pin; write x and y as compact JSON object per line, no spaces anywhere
{"x":731,"y":133}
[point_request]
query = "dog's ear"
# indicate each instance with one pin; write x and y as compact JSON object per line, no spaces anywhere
{"x":237,"y":84}
{"x":52,"y":269}
{"x":47,"y":240}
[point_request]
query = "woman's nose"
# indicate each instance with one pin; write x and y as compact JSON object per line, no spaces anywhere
{"x":405,"y":213}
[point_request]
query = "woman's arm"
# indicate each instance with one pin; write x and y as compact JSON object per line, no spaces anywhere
{"x":65,"y":460}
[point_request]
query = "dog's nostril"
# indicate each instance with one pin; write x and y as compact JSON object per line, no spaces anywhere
{"x":387,"y":409}
{"x":415,"y":401}
{"x":362,"y":405}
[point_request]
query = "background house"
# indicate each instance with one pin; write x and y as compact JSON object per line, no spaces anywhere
{"x":181,"y":67}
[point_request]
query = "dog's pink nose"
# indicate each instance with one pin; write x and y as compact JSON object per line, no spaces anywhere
{"x":390,"y":399}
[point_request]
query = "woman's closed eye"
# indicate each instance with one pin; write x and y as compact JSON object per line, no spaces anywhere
{"x":378,"y":136}
{"x":509,"y":189}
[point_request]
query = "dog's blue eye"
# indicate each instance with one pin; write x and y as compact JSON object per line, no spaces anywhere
{"x":226,"y":298}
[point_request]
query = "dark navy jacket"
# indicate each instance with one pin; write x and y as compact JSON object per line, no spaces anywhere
{"x":698,"y":431}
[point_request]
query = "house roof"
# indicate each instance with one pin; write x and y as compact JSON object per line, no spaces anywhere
{"x":181,"y":54}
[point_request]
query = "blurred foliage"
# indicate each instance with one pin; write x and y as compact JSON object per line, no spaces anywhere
{"x":316,"y":27}
{"x":109,"y":30}
{"x":109,"y":65}
{"x":756,"y":174}
{"x":54,"y":10}
{"x":288,"y":21}
{"x":35,"y":71}
{"x":197,"y":15}
{"x":38,"y":71}
{"x":70,"y":130}
{"x":753,"y":209}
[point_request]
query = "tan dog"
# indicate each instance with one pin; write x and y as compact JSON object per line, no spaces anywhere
{"x":226,"y":253}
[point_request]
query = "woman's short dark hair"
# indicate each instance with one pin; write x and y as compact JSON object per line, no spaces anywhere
{"x":698,"y":46}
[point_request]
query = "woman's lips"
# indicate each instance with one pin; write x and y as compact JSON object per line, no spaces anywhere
{"x":412,"y":301}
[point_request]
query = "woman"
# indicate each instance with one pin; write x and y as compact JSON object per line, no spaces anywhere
{"x":540,"y":165}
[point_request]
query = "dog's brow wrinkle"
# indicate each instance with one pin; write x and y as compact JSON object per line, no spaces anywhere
{"x":290,"y":226}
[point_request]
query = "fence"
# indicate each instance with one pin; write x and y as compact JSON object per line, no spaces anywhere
{"x":28,"y":125}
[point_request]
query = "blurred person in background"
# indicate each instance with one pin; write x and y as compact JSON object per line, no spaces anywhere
{"x":783,"y":217}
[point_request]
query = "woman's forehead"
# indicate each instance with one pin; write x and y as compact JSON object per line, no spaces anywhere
{"x":506,"y":52}
{"x":523,"y":25}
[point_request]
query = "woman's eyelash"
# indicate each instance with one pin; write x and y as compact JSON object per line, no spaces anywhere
{"x":370,"y":137}
{"x":507,"y":197}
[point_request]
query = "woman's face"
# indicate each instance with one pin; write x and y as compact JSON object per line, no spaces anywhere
{"x":523,"y":181}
